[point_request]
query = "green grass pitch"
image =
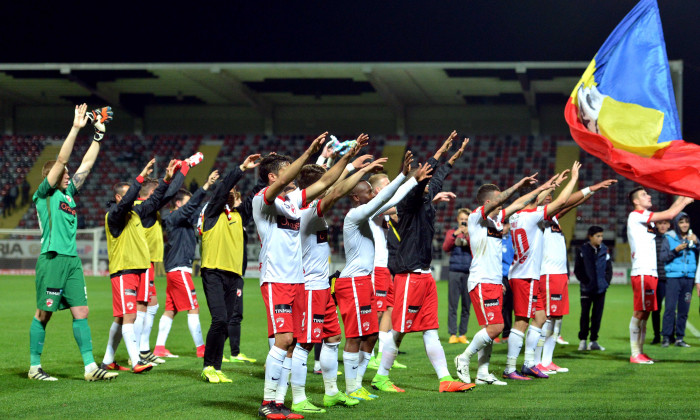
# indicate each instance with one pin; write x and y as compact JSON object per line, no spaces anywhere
{"x":599,"y":385}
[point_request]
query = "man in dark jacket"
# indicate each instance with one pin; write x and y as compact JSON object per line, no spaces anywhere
{"x":457,"y":244}
{"x":593,"y":269}
{"x":416,"y":303}
{"x":663,"y":256}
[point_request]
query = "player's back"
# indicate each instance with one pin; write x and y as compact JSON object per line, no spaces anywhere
{"x":485,"y":239}
{"x":527,"y":237}
{"x":315,"y":249}
{"x":640,"y":235}
{"x":553,"y":248}
{"x":359,"y":245}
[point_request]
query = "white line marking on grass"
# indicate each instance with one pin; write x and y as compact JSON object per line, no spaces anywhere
{"x":692,"y":329}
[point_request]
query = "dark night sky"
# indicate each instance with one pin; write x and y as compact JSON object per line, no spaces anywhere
{"x":348,"y":31}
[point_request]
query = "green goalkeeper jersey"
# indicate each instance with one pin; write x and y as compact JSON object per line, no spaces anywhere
{"x":58,"y":219}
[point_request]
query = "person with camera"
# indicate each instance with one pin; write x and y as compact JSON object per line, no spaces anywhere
{"x":457,"y":244}
{"x":680,"y":273}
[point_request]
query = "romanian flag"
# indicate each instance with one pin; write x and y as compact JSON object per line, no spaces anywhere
{"x":623,"y":109}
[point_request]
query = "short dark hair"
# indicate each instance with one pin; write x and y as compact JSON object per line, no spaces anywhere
{"x":148,"y":185}
{"x":272,"y":164}
{"x":633,"y":194}
{"x":179,"y":195}
{"x":309,"y":174}
{"x":484,"y":191}
{"x":593,"y":230}
{"x":117,"y":188}
{"x":527,"y":188}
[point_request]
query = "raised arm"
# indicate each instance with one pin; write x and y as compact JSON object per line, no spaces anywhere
{"x":672,"y":211}
{"x":117,"y":216}
{"x":445,"y":146}
{"x":344,"y":188}
{"x":99,"y":118}
{"x":293,"y":170}
{"x":505,"y":195}
{"x":153,"y":203}
{"x":563,"y":197}
{"x":223,"y":188}
{"x":583,"y":195}
{"x":79,"y":121}
{"x":331,"y":176}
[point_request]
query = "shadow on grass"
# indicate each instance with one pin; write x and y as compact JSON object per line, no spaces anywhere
{"x":244,"y":405}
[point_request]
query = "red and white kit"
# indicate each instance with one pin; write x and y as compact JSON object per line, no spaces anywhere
{"x":524,"y":275}
{"x":124,"y":290}
{"x":554,"y":277}
{"x":640,"y":235}
{"x":485,"y":274}
{"x":179,"y":293}
{"x":381,"y":276}
{"x":281,"y":273}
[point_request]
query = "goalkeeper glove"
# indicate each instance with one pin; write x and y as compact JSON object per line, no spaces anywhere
{"x":102,"y":115}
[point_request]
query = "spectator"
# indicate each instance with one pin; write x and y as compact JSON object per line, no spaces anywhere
{"x":457,"y":244}
{"x":14,"y":193}
{"x":25,"y":192}
{"x":507,"y":260}
{"x":593,"y":269}
{"x":663,"y":256}
{"x":679,"y":280}
{"x":6,"y":205}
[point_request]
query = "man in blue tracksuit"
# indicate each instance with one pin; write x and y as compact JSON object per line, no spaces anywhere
{"x":593,"y":269}
{"x":680,"y":273}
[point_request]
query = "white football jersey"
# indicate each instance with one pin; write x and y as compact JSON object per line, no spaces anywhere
{"x":526,"y":233}
{"x":640,"y":235}
{"x":278,"y":226}
{"x":485,"y":241}
{"x":357,"y":233}
{"x":315,"y":251}
{"x":380,"y":226}
{"x":553,"y":248}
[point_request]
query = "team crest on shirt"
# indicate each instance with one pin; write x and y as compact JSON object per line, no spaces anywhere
{"x":380,"y":304}
{"x":49,"y":302}
{"x":317,"y":332}
{"x":408,"y":324}
{"x":130,"y":305}
{"x":365,"y":326}
{"x":554,"y":308}
{"x":490,"y":316}
{"x":239,"y":292}
{"x":279,"y":322}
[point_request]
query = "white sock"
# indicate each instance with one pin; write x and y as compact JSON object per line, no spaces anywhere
{"x":195,"y":329}
{"x":329,"y":367}
{"x":89,"y":368}
{"x":380,"y":344}
{"x":299,"y":359}
{"x":271,"y":341}
{"x":362,"y":367}
{"x":138,"y":326}
{"x":317,"y":365}
{"x":547,"y":326}
{"x":642,"y":334}
{"x":391,"y":349}
{"x":515,"y":343}
{"x":435,"y":353}
{"x":283,"y":382}
{"x":164,"y":326}
{"x":115,"y":337}
{"x":132,"y":346}
{"x":533,"y":336}
{"x":372,"y":354}
{"x":480,"y":340}
{"x":351,"y":361}
{"x":484,"y":359}
{"x":147,"y":327}
{"x":634,"y":336}
{"x":273,"y":372}
{"x":550,"y":342}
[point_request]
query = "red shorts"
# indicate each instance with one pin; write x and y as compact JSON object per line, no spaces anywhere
{"x":644,"y":289}
{"x":124,"y":288}
{"x":320,"y":318}
{"x":284,"y":304}
{"x":554,"y":292}
{"x":383,"y":288}
{"x":147,"y":285}
{"x":357,"y":307}
{"x":487,"y":299}
{"x":526,"y":297}
{"x":415,"y":303}
{"x":179,"y":292}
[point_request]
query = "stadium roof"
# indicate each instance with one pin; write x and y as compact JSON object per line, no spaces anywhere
{"x":266,"y":85}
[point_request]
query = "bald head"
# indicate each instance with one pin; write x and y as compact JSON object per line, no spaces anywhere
{"x":362,"y":193}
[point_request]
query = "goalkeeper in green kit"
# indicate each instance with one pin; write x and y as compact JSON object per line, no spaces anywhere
{"x":59,"y":273}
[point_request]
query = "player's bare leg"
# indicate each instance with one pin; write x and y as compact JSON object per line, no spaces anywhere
{"x":638,"y":329}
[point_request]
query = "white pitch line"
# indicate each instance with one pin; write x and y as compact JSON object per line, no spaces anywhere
{"x":692,"y":329}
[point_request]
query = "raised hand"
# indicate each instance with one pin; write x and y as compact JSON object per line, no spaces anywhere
{"x":250,"y":162}
{"x":316,"y":144}
{"x":444,"y":197}
{"x":603,"y":184}
{"x":362,"y":161}
{"x":375,"y":166}
{"x":528,"y":180}
{"x":362,"y":140}
{"x":407,"y":160}
{"x":211,"y":179}
{"x":575,"y":168}
{"x":80,"y":119}
{"x":446,"y":145}
{"x":459,"y":152}
{"x":173,"y":165}
{"x":423,"y":172}
{"x":148,"y":168}
{"x":558,"y":179}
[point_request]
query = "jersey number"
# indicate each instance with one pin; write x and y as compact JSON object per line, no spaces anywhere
{"x":520,"y":244}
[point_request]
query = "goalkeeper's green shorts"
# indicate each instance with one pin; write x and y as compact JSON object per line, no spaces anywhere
{"x":60,"y":283}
